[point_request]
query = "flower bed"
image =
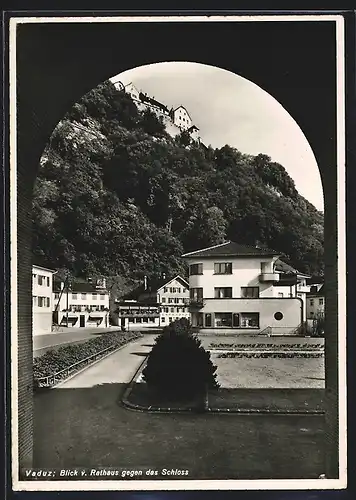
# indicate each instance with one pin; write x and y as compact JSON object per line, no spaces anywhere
{"x":61,"y":360}
{"x":305,"y":346}
{"x":274,"y":354}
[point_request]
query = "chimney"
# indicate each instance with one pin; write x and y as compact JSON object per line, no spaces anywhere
{"x":145,"y":282}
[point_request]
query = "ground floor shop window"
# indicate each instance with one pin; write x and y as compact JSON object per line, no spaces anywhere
{"x":249,"y":320}
{"x":223,"y":319}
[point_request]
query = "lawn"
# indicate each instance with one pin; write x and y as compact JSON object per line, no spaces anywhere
{"x":87,"y":427}
{"x":277,"y":373}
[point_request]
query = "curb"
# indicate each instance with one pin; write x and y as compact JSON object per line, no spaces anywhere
{"x":224,"y":411}
{"x":81,"y":370}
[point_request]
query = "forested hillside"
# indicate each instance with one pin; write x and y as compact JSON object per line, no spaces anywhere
{"x":117,"y":196}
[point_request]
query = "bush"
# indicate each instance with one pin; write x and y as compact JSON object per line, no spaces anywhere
{"x":178,"y":366}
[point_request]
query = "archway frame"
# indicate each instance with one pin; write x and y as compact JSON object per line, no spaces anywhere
{"x":53,"y":71}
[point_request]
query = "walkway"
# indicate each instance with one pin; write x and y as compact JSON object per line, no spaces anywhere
{"x":82,"y":424}
{"x":118,"y":368}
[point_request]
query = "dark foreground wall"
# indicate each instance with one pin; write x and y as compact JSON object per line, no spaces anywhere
{"x":58,"y":63}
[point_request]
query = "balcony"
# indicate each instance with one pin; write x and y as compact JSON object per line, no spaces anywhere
{"x":268,"y":277}
{"x":195,"y":304}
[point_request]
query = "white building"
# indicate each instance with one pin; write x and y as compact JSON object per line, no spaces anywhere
{"x":155,"y":303}
{"x":315,"y":302}
{"x":42,"y":281}
{"x":181,"y":118}
{"x":132,"y":91}
{"x":241,"y":287}
{"x":81,"y":303}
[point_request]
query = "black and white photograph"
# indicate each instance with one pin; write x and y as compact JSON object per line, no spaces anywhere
{"x":178,"y":266}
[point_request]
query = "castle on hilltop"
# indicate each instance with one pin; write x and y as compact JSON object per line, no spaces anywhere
{"x":176,"y":120}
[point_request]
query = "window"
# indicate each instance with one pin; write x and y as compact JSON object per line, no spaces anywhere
{"x":195,"y":269}
{"x":47,"y":302}
{"x":223,"y":268}
{"x":34,"y":276}
{"x":176,"y":301}
{"x":41,"y":301}
{"x":102,"y":296}
{"x":163,"y":320}
{"x":151,"y":320}
{"x":95,"y":296}
{"x":249,"y":320}
{"x":321,"y":302}
{"x":166,"y":309}
{"x":145,"y":320}
{"x":278,"y":316}
{"x":196,"y":293}
{"x":34,"y":300}
{"x":223,"y":319}
{"x":178,"y":289}
{"x":56,"y":295}
{"x":170,"y":320}
{"x":138,"y":320}
{"x":131,"y":320}
{"x":223,"y":293}
{"x":170,"y":300}
{"x":250,"y":292}
{"x":163,"y":300}
{"x":74,"y":296}
{"x":312,"y":302}
{"x":47,"y":281}
{"x":172,"y":309}
{"x":165,"y":289}
{"x":208,"y":320}
{"x":84,"y":296}
{"x":40,"y":280}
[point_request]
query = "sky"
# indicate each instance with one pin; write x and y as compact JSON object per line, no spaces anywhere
{"x":229,"y":109}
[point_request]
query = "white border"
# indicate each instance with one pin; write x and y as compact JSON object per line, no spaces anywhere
{"x":300,"y":484}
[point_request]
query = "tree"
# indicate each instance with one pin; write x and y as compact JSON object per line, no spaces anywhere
{"x":178,"y":366}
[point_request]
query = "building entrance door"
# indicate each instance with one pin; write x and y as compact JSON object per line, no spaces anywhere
{"x":82,"y":320}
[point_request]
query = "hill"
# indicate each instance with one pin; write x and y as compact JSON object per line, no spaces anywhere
{"x":116,"y":195}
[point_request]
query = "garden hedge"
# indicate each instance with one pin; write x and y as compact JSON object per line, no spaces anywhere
{"x":54,"y":361}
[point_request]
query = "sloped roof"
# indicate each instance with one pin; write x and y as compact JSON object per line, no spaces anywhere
{"x":320,"y":292}
{"x":285,"y":268}
{"x":231,"y":249}
{"x":79,"y":286}
{"x":153,"y":285}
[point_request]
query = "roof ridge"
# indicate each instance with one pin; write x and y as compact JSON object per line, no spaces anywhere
{"x":207,"y":248}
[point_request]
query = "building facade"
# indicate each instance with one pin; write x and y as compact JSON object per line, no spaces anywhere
{"x":315,"y":302}
{"x":155,"y":303}
{"x":240,"y":287}
{"x":81,"y":304}
{"x":181,"y":118}
{"x":42,"y":304}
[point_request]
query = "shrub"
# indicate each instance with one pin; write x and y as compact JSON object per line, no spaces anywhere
{"x":54,"y":361}
{"x":178,"y":366}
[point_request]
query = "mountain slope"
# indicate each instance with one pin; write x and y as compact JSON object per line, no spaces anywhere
{"x":117,"y":195}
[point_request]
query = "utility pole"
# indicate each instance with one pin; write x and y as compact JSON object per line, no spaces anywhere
{"x":67,"y":301}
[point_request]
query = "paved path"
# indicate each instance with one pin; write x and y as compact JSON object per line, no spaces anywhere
{"x":118,"y":368}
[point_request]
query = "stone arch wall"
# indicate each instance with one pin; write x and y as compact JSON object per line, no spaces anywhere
{"x":58,"y":63}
